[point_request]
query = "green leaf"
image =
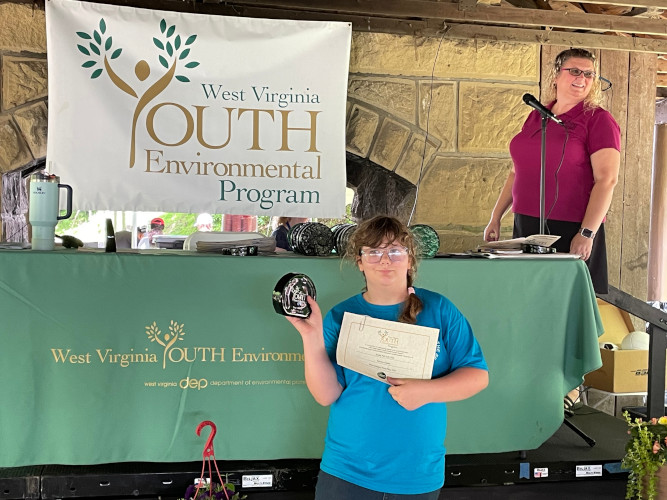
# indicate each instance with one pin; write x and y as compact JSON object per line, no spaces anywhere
{"x":177,"y":42}
{"x":89,"y":64}
{"x":96,"y":73}
{"x":94,"y":48}
{"x":171,"y":30}
{"x":184,"y":54}
{"x":116,"y":53}
{"x":84,"y":49}
{"x":190,"y":39}
{"x":182,"y":78}
{"x":163,"y":26}
{"x":164,"y":62}
{"x":170,"y":49}
{"x":192,"y":64}
{"x":108,"y":43}
{"x":83,"y":35}
{"x":97,"y":37}
{"x":158,"y":43}
{"x":103,"y":26}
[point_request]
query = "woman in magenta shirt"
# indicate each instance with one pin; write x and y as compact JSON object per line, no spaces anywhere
{"x":582,"y":163}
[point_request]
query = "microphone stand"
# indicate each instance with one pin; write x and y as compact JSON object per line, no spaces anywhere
{"x":543,"y":161}
{"x":543,"y":156}
{"x":531,"y":101}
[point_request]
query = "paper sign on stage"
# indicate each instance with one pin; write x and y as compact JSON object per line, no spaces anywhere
{"x":380,"y":349}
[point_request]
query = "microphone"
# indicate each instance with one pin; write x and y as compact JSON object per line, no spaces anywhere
{"x":534,"y":103}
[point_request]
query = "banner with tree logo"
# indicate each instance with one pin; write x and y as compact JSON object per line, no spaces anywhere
{"x":153,"y":110}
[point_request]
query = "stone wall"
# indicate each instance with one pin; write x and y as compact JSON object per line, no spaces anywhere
{"x":443,"y":111}
{"x":23,"y":91}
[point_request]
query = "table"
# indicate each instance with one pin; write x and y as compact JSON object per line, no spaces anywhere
{"x":606,"y":395}
{"x":118,"y":357}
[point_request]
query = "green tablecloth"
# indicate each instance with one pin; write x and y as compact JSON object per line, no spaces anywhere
{"x":118,"y":357}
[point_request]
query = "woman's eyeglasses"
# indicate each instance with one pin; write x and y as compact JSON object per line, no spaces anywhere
{"x":605,"y":84}
{"x":579,"y":72}
{"x":395,"y":254}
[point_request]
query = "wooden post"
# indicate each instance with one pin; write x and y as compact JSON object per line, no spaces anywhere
{"x":614,"y":66}
{"x":637,"y":187}
{"x":657,"y":270}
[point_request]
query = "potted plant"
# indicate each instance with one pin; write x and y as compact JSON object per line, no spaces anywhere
{"x":645,"y":456}
{"x":213,"y":491}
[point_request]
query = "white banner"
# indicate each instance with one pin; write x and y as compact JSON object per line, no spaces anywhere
{"x":164,"y":111}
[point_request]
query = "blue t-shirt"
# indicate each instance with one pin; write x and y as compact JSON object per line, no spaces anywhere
{"x":371,"y":440}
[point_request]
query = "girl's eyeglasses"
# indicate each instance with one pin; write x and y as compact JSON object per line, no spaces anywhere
{"x":395,"y":254}
{"x":577,"y":72}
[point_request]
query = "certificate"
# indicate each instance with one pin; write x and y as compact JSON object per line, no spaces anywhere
{"x":380,"y":349}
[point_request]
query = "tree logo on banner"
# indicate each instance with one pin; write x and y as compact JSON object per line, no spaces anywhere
{"x":172,"y":50}
{"x":168,"y":339}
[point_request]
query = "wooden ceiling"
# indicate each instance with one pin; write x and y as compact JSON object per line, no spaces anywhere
{"x":632,"y":25}
{"x":610,"y":24}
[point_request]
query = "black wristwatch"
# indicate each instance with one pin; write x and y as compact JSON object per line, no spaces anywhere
{"x":586,"y":233}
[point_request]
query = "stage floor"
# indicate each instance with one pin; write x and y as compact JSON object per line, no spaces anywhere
{"x":563,"y":467}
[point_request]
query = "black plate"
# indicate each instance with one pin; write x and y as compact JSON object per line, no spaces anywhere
{"x":337,"y":232}
{"x":345,"y":238}
{"x":316,"y":239}
{"x":291,"y":232}
{"x":427,"y":239}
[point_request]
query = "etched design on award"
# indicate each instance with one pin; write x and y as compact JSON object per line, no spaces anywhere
{"x":290,"y":295}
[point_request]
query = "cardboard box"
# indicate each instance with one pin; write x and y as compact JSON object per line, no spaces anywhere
{"x":622,"y":371}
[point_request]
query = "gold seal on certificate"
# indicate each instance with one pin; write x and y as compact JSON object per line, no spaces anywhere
{"x":380,"y":349}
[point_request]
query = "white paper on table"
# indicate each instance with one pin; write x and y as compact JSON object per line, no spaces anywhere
{"x":543,"y":240}
{"x":380,"y":349}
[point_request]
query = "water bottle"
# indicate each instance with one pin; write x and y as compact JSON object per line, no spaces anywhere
{"x":44,"y":203}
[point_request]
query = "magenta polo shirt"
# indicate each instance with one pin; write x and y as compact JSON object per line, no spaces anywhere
{"x":588,"y":131}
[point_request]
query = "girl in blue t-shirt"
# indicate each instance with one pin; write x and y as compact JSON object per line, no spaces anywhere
{"x":387,"y":440}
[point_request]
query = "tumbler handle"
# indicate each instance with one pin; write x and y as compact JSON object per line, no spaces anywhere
{"x":68,"y":188}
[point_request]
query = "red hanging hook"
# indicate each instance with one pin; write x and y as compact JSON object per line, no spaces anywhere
{"x":208,"y":447}
{"x":208,"y":454}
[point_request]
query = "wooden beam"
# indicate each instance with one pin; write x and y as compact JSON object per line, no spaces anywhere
{"x":444,"y":11}
{"x":359,"y":23}
{"x":588,"y":40}
{"x":434,"y":28}
{"x":629,"y":3}
{"x":662,"y":65}
{"x":661,"y":80}
{"x":418,"y":27}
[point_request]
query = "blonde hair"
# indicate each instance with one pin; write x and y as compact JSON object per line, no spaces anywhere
{"x":371,"y":233}
{"x":594,"y":97}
